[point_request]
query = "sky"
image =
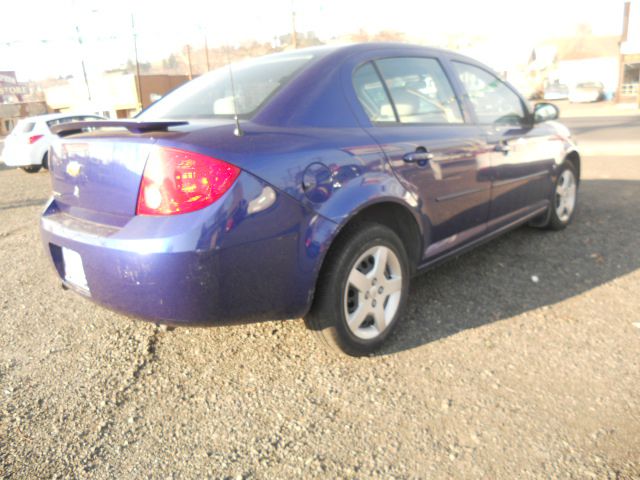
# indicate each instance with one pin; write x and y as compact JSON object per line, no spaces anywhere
{"x":39,"y":38}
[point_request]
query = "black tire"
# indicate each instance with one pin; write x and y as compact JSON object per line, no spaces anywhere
{"x":45,"y":161}
{"x":328,"y":317}
{"x":32,"y":168}
{"x":554,"y":222}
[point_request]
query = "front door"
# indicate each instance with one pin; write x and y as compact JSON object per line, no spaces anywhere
{"x":522,"y":154}
{"x":418,"y":122}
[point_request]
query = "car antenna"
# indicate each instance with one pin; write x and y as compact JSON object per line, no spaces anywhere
{"x":237,"y":131}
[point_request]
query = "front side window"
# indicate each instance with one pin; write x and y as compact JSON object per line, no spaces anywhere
{"x":211,"y":95}
{"x":493,"y":101}
{"x":420,"y":90}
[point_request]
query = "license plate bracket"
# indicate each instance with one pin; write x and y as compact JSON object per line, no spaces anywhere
{"x":74,"y":269}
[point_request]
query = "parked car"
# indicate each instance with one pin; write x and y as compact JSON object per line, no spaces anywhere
{"x":587,"y":92}
{"x":347,"y":171}
{"x":27,"y":145}
{"x":556,"y":91}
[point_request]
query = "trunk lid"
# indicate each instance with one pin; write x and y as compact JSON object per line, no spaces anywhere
{"x":98,"y":178}
{"x":96,"y":175}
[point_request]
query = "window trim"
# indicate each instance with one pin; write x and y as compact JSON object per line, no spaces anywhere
{"x":384,"y":87}
{"x":387,"y":92}
{"x":526,"y":121}
{"x":397,"y":122}
{"x":444,"y":72}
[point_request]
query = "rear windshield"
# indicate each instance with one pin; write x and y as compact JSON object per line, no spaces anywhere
{"x":80,"y":118}
{"x":211,"y":96}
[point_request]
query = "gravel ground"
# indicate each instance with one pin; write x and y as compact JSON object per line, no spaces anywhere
{"x":491,"y":374}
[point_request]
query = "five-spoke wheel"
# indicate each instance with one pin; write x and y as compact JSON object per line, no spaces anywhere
{"x":373,"y":291}
{"x":564,"y":199}
{"x":362,"y":289}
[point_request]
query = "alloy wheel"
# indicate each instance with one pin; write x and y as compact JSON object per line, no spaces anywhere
{"x":566,"y":189}
{"x":373,"y":292}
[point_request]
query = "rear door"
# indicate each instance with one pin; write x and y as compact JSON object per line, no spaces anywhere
{"x":418,"y":122}
{"x":521,"y":153}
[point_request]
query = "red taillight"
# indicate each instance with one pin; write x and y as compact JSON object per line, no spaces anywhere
{"x":176,"y":181}
{"x":34,"y":138}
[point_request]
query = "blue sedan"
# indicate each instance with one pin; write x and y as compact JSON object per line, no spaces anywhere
{"x":313,"y":183}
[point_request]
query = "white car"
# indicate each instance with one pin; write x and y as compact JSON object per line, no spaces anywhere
{"x":556,"y":91}
{"x":587,"y":92}
{"x":27,"y":145}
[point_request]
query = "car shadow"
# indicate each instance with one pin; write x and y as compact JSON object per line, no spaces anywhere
{"x":4,"y":167}
{"x":527,"y":269}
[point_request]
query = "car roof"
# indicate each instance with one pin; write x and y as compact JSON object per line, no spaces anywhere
{"x":363,"y":46}
{"x":347,"y":49}
{"x":342,"y":51}
{"x":325,"y":105}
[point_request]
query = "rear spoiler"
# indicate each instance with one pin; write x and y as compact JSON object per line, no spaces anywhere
{"x":133,"y":126}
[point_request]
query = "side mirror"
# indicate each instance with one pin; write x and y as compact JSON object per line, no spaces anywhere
{"x":543,"y":112}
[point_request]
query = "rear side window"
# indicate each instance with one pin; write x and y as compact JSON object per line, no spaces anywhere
{"x":26,"y":127}
{"x":493,"y":101}
{"x":372,"y":95}
{"x":420,"y":90}
{"x":211,"y":95}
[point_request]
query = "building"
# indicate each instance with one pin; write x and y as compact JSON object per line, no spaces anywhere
{"x":113,"y":95}
{"x":572,"y":72}
{"x":580,"y":58}
{"x":16,"y":102}
{"x":628,"y":84}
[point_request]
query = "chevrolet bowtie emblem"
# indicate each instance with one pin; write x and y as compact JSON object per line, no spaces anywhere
{"x":73,"y":169}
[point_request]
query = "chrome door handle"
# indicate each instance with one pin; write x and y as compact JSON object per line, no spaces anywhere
{"x":418,"y":156}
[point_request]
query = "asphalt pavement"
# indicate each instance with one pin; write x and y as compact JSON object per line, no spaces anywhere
{"x":520,"y":359}
{"x":614,"y":129}
{"x":605,"y":136}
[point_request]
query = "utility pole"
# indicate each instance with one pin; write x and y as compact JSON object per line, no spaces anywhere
{"x":206,"y":51}
{"x":84,"y":69}
{"x":135,"y":51}
{"x":189,"y":61}
{"x":294,"y":36}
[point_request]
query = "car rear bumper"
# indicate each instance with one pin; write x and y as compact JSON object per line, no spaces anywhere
{"x":223,"y":264}
{"x":16,"y":155}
